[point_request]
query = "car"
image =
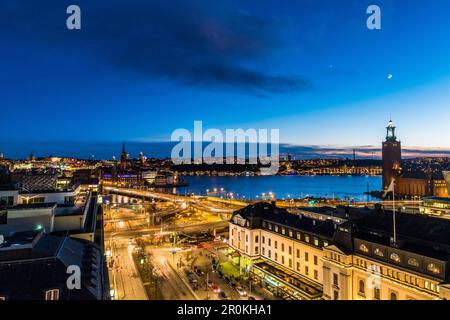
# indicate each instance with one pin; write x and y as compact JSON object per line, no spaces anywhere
{"x":199,"y":272}
{"x":210,"y":283}
{"x":192,"y":278}
{"x":241,"y":291}
{"x":222,"y":295}
{"x":215,"y":288}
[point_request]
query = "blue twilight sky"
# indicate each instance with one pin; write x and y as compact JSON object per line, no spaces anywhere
{"x":137,"y":70}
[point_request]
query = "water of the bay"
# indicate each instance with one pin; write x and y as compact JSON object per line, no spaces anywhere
{"x":287,"y":187}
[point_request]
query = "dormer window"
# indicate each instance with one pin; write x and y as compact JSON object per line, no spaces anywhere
{"x":433,"y":268}
{"x":363,"y":248}
{"x":413,"y":262}
{"x":395,"y":257}
{"x":52,"y":294}
{"x":378,"y":252}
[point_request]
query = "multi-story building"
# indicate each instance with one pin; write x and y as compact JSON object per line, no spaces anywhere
{"x":298,"y":257}
{"x":37,"y":266}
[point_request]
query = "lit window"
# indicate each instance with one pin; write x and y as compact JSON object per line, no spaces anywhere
{"x":363,"y":248}
{"x":378,"y":252}
{"x":413,"y":262}
{"x":283,"y":230}
{"x":306,"y":238}
{"x":52,"y":294}
{"x":393,"y":296}
{"x":395,"y":257}
{"x":433,"y":268}
{"x":316,"y":241}
{"x":291,"y":233}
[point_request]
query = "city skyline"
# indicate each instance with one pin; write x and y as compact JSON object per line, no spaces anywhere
{"x":313,"y":70}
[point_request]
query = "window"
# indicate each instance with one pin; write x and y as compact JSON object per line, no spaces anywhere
{"x":290,"y":250}
{"x":6,"y":201}
{"x":361,"y":287}
{"x":263,"y":251}
{"x":413,"y":262}
{"x":306,"y":270}
{"x":316,"y":275}
{"x":378,"y":252}
{"x":316,"y":241}
{"x":363,"y":248}
{"x":256,"y":239}
{"x":263,"y":240}
{"x":256,"y":250}
{"x":270,"y":226}
{"x":335,"y":295}
{"x":306,"y":238}
{"x":269,"y":242}
{"x":270,"y":255}
{"x":335,"y":279}
{"x":282,"y":259}
{"x":306,"y":256}
{"x":315,"y":260}
{"x":299,"y":236}
{"x":276,"y":244}
{"x":393,"y":296}
{"x":433,"y":268}
{"x":52,"y":294}
{"x":376,"y":293}
{"x":291,"y":233}
{"x":246,"y":249}
{"x":395,"y":257}
{"x":282,"y":247}
{"x":283,"y":230}
{"x":69,"y":200}
{"x":298,"y":253}
{"x":246,"y":238}
{"x":298,"y":266}
{"x":290,"y":263}
{"x":2,"y":298}
{"x":276,"y":256}
{"x":276,"y":228}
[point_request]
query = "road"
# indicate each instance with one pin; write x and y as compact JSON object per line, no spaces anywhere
{"x":125,"y":277}
{"x":188,"y":228}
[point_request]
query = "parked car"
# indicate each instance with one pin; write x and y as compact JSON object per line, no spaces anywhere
{"x":241,"y":291}
{"x":192,"y":278}
{"x":199,"y":272}
{"x":210,"y":283}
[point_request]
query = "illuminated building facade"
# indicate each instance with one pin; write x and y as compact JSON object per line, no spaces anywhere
{"x":297,"y":257}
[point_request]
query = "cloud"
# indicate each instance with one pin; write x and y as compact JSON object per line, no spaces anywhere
{"x":186,"y":42}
